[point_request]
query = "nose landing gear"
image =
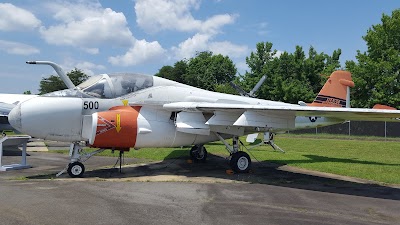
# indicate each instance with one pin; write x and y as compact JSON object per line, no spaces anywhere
{"x":77,"y":156}
{"x":76,"y":169}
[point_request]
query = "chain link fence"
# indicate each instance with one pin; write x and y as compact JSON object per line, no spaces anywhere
{"x":358,"y":128}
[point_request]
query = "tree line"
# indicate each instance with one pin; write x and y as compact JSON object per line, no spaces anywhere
{"x":292,"y":76}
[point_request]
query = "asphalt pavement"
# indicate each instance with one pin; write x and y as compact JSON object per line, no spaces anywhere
{"x":179,"y":192}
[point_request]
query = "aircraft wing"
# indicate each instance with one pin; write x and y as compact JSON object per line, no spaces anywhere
{"x":5,"y":108}
{"x":4,"y":111}
{"x":247,"y":112}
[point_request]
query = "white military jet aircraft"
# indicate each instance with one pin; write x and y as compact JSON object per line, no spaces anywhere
{"x":123,"y":111}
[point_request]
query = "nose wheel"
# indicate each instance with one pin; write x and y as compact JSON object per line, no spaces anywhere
{"x":76,"y":169}
{"x":77,"y":156}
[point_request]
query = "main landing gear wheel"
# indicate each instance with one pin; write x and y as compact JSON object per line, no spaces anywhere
{"x":240,"y":162}
{"x":198,"y":153}
{"x":76,"y":169}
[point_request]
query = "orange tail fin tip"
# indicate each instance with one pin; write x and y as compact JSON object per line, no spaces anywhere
{"x":379,"y":106}
{"x":334,"y":92}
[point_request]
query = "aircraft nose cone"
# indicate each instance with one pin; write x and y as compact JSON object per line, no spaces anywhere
{"x":14,"y":118}
{"x":52,"y":118}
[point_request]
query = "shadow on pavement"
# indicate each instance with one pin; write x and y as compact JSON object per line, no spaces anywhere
{"x":262,"y":173}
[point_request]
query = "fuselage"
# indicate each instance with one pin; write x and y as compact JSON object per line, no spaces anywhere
{"x":137,"y":115}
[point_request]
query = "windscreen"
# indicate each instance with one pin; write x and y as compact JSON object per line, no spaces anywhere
{"x":115,"y":85}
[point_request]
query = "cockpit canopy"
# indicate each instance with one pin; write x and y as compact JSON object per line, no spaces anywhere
{"x":115,"y":85}
{"x":109,"y":86}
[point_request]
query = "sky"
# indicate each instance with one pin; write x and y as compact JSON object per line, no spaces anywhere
{"x":105,"y":36}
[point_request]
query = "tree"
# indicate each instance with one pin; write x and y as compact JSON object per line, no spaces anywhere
{"x":175,"y":73}
{"x":205,"y":70}
{"x":165,"y":72}
{"x":377,"y":73}
{"x":28,"y":92}
{"x":291,"y":77}
{"x":54,"y":83}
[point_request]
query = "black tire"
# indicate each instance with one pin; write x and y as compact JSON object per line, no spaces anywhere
{"x":240,"y":162}
{"x":195,"y":153}
{"x":76,"y":169}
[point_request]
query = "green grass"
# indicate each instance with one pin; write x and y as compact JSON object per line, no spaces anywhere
{"x":370,"y":158}
{"x":339,"y":136}
{"x":8,"y":132}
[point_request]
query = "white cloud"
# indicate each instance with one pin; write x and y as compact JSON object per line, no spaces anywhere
{"x":278,"y":53}
{"x":229,"y":49}
{"x":188,"y":48}
{"x":87,"y":26}
{"x":87,"y":67}
{"x":92,"y":51}
{"x":203,"y":42}
{"x":70,"y":11}
{"x":17,"y":48}
{"x":242,"y":67}
{"x":157,"y":15}
{"x":214,"y":24}
{"x":262,"y":28}
{"x":141,"y":52}
{"x":13,"y":18}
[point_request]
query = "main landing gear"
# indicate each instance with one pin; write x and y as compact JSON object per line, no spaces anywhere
{"x":240,"y":161}
{"x":77,"y":156}
{"x":198,"y":153}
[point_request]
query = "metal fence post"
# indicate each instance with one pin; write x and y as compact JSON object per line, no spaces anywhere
{"x":385,"y":130}
{"x":349,"y":128}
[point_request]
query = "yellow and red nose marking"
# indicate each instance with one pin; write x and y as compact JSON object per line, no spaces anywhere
{"x":117,"y":128}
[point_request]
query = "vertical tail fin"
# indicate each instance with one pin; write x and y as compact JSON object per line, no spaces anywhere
{"x":336,"y":91}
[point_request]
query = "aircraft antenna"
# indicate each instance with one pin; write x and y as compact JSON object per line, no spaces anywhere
{"x":258,"y":85}
{"x":252,"y":92}
{"x":239,"y":89}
